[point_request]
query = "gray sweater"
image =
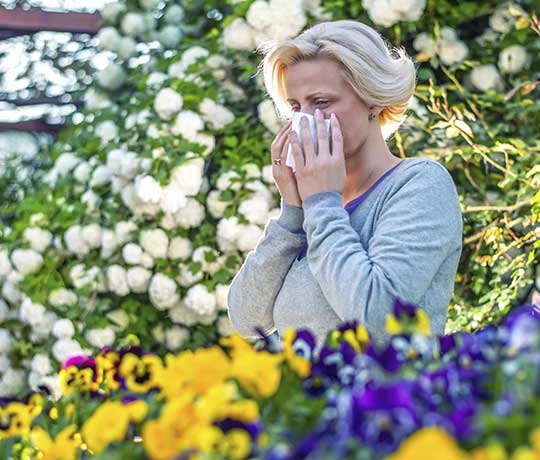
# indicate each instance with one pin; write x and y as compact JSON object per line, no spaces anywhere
{"x":401,"y":238}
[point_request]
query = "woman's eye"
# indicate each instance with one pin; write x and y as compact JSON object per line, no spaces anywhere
{"x":323,"y":101}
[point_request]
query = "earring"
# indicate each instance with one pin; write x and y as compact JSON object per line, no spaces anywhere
{"x":371,"y":116}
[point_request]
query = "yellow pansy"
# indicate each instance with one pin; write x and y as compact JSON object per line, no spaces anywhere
{"x":74,"y":379}
{"x":64,"y":447}
{"x":392,"y":325}
{"x":524,"y":453}
{"x":159,"y":440}
{"x":195,"y":371}
{"x":258,"y":372}
{"x":140,"y":372}
{"x":107,"y":424}
{"x":15,"y":419}
{"x":423,"y":443}
{"x":299,"y":364}
{"x":490,"y":452}
{"x":108,"y":363}
{"x":136,"y":410}
{"x":422,"y":324}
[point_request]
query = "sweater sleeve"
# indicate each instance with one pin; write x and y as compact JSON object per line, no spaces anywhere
{"x":419,"y":224}
{"x":250,"y":301}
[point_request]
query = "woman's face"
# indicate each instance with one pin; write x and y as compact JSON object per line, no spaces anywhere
{"x":318,"y":83}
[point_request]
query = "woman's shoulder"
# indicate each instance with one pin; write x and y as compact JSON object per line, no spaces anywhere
{"x":424,"y":169}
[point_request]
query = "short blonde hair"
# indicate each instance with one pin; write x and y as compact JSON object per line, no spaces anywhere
{"x":368,"y":66}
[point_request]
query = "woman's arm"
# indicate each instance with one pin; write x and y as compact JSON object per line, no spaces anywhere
{"x":419,"y":225}
{"x":254,"y":288}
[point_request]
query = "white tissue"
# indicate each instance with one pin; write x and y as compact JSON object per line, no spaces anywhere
{"x":296,"y":117}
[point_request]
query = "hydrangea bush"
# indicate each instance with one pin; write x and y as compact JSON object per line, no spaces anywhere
{"x":161,"y":185}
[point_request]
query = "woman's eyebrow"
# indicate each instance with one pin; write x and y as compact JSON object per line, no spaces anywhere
{"x":310,"y":96}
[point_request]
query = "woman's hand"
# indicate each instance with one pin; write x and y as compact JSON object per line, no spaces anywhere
{"x":283,"y":175}
{"x":322,"y":171}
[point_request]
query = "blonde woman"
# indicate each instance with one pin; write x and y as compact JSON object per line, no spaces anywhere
{"x":359,"y":227}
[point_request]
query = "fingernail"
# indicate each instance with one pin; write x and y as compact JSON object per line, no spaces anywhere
{"x":317,"y":111}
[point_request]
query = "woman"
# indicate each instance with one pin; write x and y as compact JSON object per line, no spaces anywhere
{"x":358,"y":227}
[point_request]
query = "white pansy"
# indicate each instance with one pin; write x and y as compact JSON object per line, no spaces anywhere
{"x":62,"y":296}
{"x":38,"y":238}
{"x":133,"y":24}
{"x":175,"y":337}
{"x":172,"y":198}
{"x":155,"y":242}
{"x":91,"y":235}
{"x":107,"y":131}
{"x":162,"y":291}
{"x":513,"y":59}
{"x":185,"y":278}
{"x":168,"y":102}
{"x":111,"y":77}
{"x":117,"y":280}
{"x":138,"y":279}
{"x":82,"y":172}
{"x":179,"y":248}
{"x":191,"y":215}
{"x":238,"y":35}
{"x":100,"y":176}
{"x":41,"y":364}
{"x":187,"y":123}
{"x":225,"y":181}
{"x":147,"y":189}
{"x":200,"y":300}
{"x":26,"y":261}
{"x":251,"y":234}
{"x":174,"y":14}
{"x":65,"y":348}
{"x":485,"y":77}
{"x":132,"y":253}
{"x":99,"y":338}
{"x":216,"y":115}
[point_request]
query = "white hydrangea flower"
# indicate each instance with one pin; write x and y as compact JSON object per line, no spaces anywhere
{"x":388,"y":12}
{"x":111,"y":77}
{"x":453,"y":51}
{"x":91,"y":200}
{"x":187,"y":123}
{"x":107,"y":131}
{"x":75,"y":242}
{"x":502,"y":19}
{"x":162,"y":291}
{"x":227,"y":233}
{"x":108,"y":242}
{"x":138,"y":279}
{"x":5,"y":341}
{"x":169,"y":36}
{"x":149,"y":4}
{"x":63,"y":329}
{"x":31,"y":313}
{"x":174,"y":14}
{"x":133,"y":24}
{"x":179,"y":248}
{"x":485,"y":77}
{"x":99,"y":338}
{"x":188,"y":176}
{"x":95,"y":99}
{"x":185,"y":278}
{"x":221,"y":293}
{"x":65,"y":163}
{"x":216,"y":115}
{"x":4,"y":311}
{"x":172,"y":198}
{"x":117,"y":280}
{"x":91,"y":234}
{"x":199,"y":255}
{"x":167,"y":103}
{"x":224,"y":326}
{"x":5,"y":263}
{"x":147,"y":189}
{"x":12,"y":381}
{"x":200,"y":300}
{"x":175,"y":337}
{"x":224,"y":181}
{"x":132,"y":253}
{"x":255,"y":209}
{"x":239,"y":35}
{"x":110,"y":11}
{"x":10,"y":291}
{"x":191,"y":215}
{"x":38,"y":238}
{"x":216,"y":207}
{"x":41,"y":364}
{"x":268,"y":116}
{"x":120,"y":319}
{"x":251,"y":234}
{"x":62,"y":296}
{"x":82,"y":171}
{"x":513,"y":59}
{"x":65,"y":348}
{"x":100,"y":176}
{"x":26,"y":261}
{"x":123,"y":230}
{"x":126,"y":47}
{"x":155,"y":242}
